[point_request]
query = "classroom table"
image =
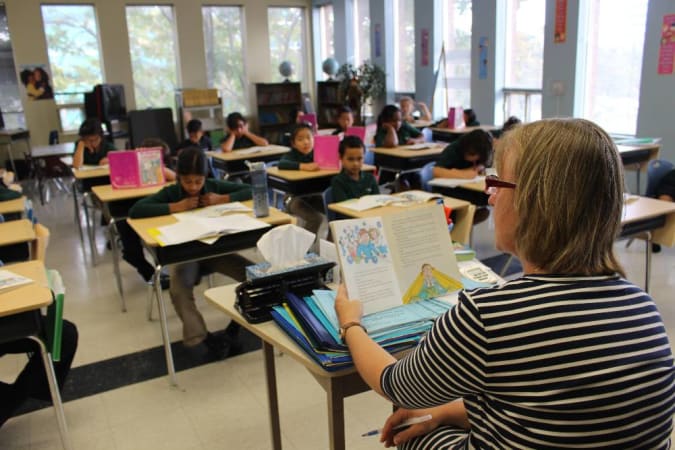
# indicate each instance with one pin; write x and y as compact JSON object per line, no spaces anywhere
{"x":116,"y":204}
{"x":13,"y":207}
{"x":419,"y":123}
{"x":461,"y":232}
{"x":326,"y":131}
{"x":20,"y":318}
{"x":452,"y":134}
{"x":46,"y":152}
{"x":8,"y":137}
{"x":472,"y":190}
{"x":193,"y":251}
{"x":86,"y":178}
{"x":303,"y":182}
{"x":638,"y":156}
{"x":17,"y":232}
{"x":234,"y":163}
{"x":401,"y":160}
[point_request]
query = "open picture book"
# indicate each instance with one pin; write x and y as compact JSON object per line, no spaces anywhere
{"x":398,"y":258}
{"x":136,"y":168}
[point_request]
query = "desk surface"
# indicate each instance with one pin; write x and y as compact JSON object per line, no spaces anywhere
{"x":237,"y":155}
{"x":13,"y":206}
{"x":421,"y":123}
{"x":398,"y":152}
{"x":105,"y":192}
{"x":44,"y":151}
{"x":299,"y":175}
{"x":14,"y":134}
{"x":478,"y":186}
{"x":645,"y":208}
{"x":16,"y":232}
{"x":450,"y":202}
{"x":141,"y":226}
{"x":465,"y":130}
{"x":27,"y":297}
{"x":103,"y":171}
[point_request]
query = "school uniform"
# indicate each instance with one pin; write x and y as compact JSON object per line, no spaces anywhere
{"x":94,"y":159}
{"x":452,"y":158}
{"x":473,"y":123}
{"x":404,"y":133}
{"x":239,"y":142}
{"x":204,"y":144}
{"x":184,"y":276}
{"x":306,"y":208}
{"x":345,"y":187}
{"x":8,"y":194}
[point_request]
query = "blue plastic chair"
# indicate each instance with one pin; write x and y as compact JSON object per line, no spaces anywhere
{"x":428,"y":135}
{"x":656,"y":170}
{"x":327,"y":200}
{"x":427,"y":174}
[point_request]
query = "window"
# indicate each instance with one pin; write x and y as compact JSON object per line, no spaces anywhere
{"x":404,"y":46}
{"x":152,"y":43}
{"x":225,"y":68}
{"x":74,"y":58}
{"x":287,"y":41}
{"x":361,"y":31}
{"x":327,"y":33}
{"x":10,"y":100}
{"x":524,"y":59}
{"x":614,"y":63}
{"x":457,"y":18}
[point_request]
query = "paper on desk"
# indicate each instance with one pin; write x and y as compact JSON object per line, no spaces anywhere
{"x":86,"y":167}
{"x":213,"y":210}
{"x":199,"y":228}
{"x":10,"y":280}
{"x":454,"y":182}
{"x":371,"y":201}
{"x":419,"y":146}
{"x":285,"y":244}
{"x":258,"y":149}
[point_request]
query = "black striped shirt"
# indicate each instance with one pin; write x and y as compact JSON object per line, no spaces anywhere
{"x":546,"y":362}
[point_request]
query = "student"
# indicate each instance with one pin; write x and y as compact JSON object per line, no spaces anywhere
{"x":470,"y":119}
{"x":294,"y":119}
{"x":351,"y":182}
{"x":345,"y":119}
{"x":392,"y":131}
{"x":665,"y":191}
{"x":301,"y":157}
{"x":509,"y":124}
{"x":196,"y":137}
{"x":132,"y":249}
{"x":91,"y":149}
{"x":238,"y":135}
{"x":466,"y":157}
{"x":169,"y":174}
{"x":408,"y":109}
{"x":7,"y":193}
{"x":192,"y":191}
{"x":32,"y":382}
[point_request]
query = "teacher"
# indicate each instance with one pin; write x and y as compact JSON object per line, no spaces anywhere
{"x":570,"y":354}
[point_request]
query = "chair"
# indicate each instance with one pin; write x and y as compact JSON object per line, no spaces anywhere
{"x":327,"y":200}
{"x":656,"y":170}
{"x":427,"y":174}
{"x":428,"y":135}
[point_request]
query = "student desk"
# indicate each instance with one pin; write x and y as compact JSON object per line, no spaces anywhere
{"x":651,"y":218}
{"x":452,"y":134}
{"x":8,"y":137}
{"x":193,"y":251}
{"x":17,"y":232}
{"x":303,"y":182}
{"x":638,"y":156}
{"x":325,"y":131}
{"x":234,"y":163}
{"x":338,"y":385}
{"x":116,"y":204}
{"x":20,"y":318}
{"x":40,"y":155}
{"x":421,"y":123}
{"x":85,"y":178}
{"x":464,"y":210}
{"x":472,"y":190}
{"x":13,"y":207}
{"x":400,"y":160}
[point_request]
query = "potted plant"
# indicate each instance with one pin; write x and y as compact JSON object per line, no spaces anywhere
{"x":360,"y":87}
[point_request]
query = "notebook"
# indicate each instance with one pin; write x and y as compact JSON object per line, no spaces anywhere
{"x":136,"y":168}
{"x":326,"y":152}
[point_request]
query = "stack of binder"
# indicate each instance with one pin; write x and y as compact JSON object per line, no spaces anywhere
{"x":312,"y":323}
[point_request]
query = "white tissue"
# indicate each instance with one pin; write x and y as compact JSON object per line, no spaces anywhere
{"x":285,"y":245}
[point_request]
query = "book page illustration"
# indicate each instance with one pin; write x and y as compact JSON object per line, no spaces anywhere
{"x":430,"y":283}
{"x":150,"y":167}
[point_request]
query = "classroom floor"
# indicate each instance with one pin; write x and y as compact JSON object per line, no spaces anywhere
{"x":220,"y":405}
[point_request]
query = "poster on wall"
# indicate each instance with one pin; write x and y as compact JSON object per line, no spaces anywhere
{"x":425,"y":47}
{"x":667,"y":45}
{"x":35,"y":80}
{"x":378,"y":40}
{"x":560,"y":34}
{"x":482,"y":57}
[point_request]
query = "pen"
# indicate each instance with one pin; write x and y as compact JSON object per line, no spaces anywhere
{"x":405,"y":423}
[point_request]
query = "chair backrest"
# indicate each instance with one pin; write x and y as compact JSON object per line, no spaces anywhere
{"x":55,"y":314}
{"x":427,"y":174}
{"x":369,"y":157}
{"x":656,"y":169}
{"x":428,"y":134}
{"x":327,"y":200}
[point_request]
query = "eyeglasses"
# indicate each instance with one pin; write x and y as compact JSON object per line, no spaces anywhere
{"x":492,"y":182}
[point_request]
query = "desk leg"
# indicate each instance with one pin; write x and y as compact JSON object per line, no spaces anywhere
{"x":90,"y":228}
{"x":112,"y":227}
{"x":648,"y":259}
{"x":165,"y":328}
{"x":273,"y":400}
{"x":336,"y":415}
{"x":11,"y":159}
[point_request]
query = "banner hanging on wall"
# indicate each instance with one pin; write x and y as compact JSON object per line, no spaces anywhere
{"x":35,"y":80}
{"x":667,"y":45}
{"x":560,"y":35}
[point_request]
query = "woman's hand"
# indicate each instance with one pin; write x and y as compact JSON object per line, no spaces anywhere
{"x":347,"y":310}
{"x":186,"y":204}
{"x":211,"y":198}
{"x":391,"y":437}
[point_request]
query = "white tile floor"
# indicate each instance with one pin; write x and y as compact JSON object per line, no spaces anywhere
{"x":218,"y":406}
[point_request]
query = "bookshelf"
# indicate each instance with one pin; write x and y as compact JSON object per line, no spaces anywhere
{"x":275,"y":102}
{"x":328,"y":103}
{"x":202,"y":104}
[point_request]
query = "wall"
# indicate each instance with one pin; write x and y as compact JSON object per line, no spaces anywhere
{"x":29,"y":45}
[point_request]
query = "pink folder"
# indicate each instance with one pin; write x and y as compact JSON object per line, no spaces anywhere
{"x":326,"y":152}
{"x":357,"y":131}
{"x":136,"y":168}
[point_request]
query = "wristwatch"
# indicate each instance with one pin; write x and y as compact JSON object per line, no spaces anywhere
{"x":347,"y":326}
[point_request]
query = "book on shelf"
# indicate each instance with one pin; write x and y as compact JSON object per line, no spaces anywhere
{"x":136,"y":168}
{"x":398,"y":258}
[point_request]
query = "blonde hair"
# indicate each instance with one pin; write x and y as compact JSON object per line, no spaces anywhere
{"x":569,"y":195}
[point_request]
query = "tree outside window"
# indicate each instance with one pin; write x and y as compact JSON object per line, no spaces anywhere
{"x":287,"y":43}
{"x":223,"y":43}
{"x":361,"y":31}
{"x":404,"y":45}
{"x":457,"y":19}
{"x":152,"y":43}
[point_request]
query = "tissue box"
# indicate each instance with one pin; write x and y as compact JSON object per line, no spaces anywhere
{"x":265,"y":269}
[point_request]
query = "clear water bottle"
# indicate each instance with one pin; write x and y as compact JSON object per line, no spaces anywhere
{"x":259,"y":183}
